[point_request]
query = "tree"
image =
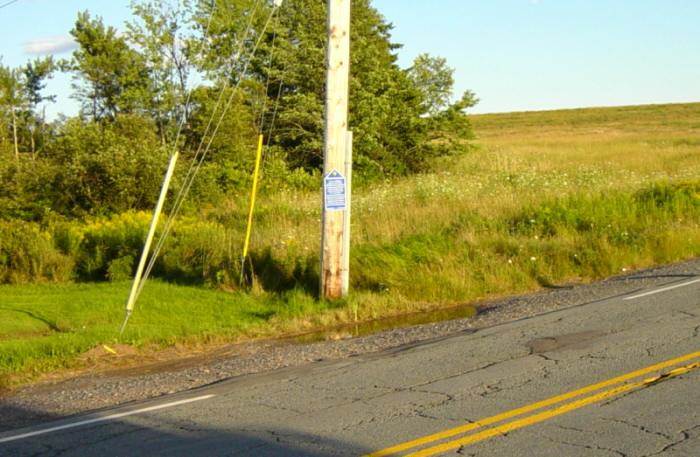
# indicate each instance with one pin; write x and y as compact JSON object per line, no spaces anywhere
{"x":12,"y":100}
{"x":385,"y":104}
{"x":435,"y":79}
{"x":226,"y":30}
{"x":449,"y":129}
{"x":107,"y":167}
{"x":36,"y":73}
{"x":114,"y":77}
{"x":160,"y":33}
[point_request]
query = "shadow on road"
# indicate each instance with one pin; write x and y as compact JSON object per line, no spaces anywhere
{"x":159,"y":435}
{"x":12,"y":417}
{"x":652,"y":275}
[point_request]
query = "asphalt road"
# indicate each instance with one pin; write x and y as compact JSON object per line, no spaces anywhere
{"x":616,"y":377}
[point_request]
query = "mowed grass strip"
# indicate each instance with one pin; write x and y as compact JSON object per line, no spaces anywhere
{"x":546,"y":197}
{"x":44,"y":327}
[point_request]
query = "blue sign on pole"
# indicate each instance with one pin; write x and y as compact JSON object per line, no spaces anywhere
{"x":334,"y":191}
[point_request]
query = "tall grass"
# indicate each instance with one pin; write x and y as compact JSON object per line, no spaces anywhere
{"x":547,"y":197}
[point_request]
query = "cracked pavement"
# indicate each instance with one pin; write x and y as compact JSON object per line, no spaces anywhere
{"x":359,"y":404}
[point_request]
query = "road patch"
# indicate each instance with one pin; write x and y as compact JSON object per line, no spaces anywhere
{"x":577,"y":340}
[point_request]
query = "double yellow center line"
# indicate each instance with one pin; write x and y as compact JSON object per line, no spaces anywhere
{"x":615,"y":386}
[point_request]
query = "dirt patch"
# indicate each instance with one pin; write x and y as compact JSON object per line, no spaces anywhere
{"x":103,"y":351}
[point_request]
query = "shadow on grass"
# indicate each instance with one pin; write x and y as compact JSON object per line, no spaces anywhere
{"x":277,"y":276}
{"x":50,"y":324}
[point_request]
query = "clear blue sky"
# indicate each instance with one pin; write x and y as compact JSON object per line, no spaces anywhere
{"x":515,"y":54}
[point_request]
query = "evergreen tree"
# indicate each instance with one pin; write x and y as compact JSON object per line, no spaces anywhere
{"x":387,"y":107}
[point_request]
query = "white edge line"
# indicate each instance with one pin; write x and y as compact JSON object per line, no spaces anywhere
{"x":103,"y":418}
{"x":663,"y":289}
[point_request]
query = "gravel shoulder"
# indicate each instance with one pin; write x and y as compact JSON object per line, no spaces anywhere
{"x":86,"y":392}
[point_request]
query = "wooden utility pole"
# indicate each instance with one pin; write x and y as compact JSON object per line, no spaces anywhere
{"x":345,"y":272}
{"x":335,"y":201}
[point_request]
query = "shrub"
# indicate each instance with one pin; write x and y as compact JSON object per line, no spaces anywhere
{"x":279,"y":177}
{"x":106,"y":240}
{"x":197,"y":251}
{"x":67,"y":235}
{"x":27,"y":190}
{"x":28,"y":254}
{"x":107,"y":168}
{"x":121,"y":269}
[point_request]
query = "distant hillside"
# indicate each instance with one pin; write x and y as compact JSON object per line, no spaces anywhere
{"x":624,"y":119}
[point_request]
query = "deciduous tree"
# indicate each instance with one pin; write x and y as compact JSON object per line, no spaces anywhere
{"x":112,"y":77}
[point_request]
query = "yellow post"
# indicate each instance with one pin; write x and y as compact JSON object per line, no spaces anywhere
{"x":253,"y":194}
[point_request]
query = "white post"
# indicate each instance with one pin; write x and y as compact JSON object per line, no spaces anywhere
{"x":348,"y":214}
{"x":14,"y":133}
{"x":337,"y":86}
{"x":149,"y":237}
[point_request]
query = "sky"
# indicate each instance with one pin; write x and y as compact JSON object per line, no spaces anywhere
{"x":516,"y":55}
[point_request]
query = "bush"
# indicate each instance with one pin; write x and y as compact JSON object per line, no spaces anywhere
{"x":27,"y":190}
{"x":279,"y":177}
{"x":28,"y":254}
{"x":67,"y":235}
{"x":106,"y":240}
{"x":121,"y":269}
{"x":107,"y":168}
{"x":107,"y":248}
{"x":198,"y":251}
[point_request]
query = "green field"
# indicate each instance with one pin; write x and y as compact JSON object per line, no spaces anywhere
{"x":545,"y":198}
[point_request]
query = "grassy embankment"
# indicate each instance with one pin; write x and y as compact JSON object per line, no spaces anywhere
{"x":548,"y":197}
